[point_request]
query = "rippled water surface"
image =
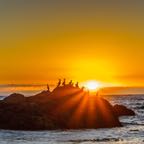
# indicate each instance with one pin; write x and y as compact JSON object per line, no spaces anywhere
{"x":132,"y":132}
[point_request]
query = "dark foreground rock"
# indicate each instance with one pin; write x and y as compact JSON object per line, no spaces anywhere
{"x":66,"y":107}
{"x":121,"y":110}
{"x":15,"y":98}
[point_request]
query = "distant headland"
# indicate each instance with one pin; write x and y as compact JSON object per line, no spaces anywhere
{"x":66,"y":107}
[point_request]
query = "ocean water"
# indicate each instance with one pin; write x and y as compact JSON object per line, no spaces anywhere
{"x":131,"y":133}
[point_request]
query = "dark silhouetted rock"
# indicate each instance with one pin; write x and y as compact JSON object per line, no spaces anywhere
{"x":121,"y":110}
{"x":15,"y":98}
{"x":67,"y":107}
{"x":40,"y":97}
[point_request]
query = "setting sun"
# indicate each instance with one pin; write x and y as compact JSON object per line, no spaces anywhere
{"x":92,"y":85}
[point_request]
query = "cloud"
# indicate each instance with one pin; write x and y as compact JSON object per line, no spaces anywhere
{"x":22,"y":85}
{"x":132,"y":77}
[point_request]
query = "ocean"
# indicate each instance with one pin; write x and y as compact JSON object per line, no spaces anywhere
{"x":132,"y":131}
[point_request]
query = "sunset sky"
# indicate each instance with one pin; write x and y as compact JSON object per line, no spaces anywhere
{"x":43,"y":40}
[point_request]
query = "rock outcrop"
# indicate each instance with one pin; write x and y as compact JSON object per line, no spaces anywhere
{"x":15,"y":98}
{"x":121,"y":110}
{"x":67,"y":107}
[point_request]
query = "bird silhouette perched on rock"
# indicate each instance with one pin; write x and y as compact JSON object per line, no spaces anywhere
{"x":48,"y":88}
{"x":59,"y":83}
{"x":70,"y":82}
{"x":64,"y":82}
{"x":77,"y":85}
{"x":82,"y":88}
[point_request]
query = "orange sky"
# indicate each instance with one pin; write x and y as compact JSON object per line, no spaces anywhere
{"x":41,"y":41}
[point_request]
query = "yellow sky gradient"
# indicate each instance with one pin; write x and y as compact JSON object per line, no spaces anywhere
{"x":41,"y":41}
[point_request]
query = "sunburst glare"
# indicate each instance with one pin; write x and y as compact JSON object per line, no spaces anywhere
{"x":92,"y":85}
